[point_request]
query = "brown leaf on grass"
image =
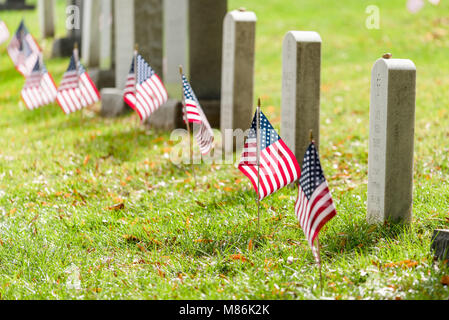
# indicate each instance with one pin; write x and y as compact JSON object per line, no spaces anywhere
{"x":12,"y":211}
{"x":142,"y":248}
{"x":161,"y":273}
{"x":157,"y":140}
{"x":117,"y":207}
{"x":130,"y":238}
{"x":250,"y":245}
{"x":86,"y":160}
{"x":239,"y":257}
{"x":203,"y":241}
{"x":199,"y":203}
{"x":406,"y":264}
{"x":445,"y":280}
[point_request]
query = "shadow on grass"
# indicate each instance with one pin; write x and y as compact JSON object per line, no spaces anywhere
{"x":121,"y":146}
{"x":362,"y":237}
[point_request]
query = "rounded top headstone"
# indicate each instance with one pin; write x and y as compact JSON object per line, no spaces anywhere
{"x":304,"y":36}
{"x":241,"y":15}
{"x":395,"y":64}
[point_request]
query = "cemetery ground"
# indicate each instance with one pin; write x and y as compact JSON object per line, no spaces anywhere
{"x":92,"y":208}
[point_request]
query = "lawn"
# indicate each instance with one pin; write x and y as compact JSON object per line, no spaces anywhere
{"x":92,"y":208}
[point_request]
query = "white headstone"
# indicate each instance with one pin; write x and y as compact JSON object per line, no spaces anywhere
{"x":301,"y":80}
{"x":391,"y":150}
{"x":175,"y":48}
{"x":91,"y":33}
{"x":137,"y":22}
{"x":107,"y":55}
{"x":237,"y":84}
{"x":46,"y":10}
{"x":205,"y":51}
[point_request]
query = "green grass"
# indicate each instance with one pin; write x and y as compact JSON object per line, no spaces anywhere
{"x":61,"y":175}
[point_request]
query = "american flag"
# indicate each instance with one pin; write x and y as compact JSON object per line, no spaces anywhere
{"x":314,"y":207}
{"x":40,"y":88}
{"x":77,"y":89}
{"x":24,"y":50}
{"x":149,"y":93}
{"x":4,"y":32}
{"x":194,"y":114}
{"x":273,"y":166}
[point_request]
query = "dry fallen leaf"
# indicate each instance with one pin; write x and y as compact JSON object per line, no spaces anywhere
{"x":250,"y":245}
{"x":445,"y":280}
{"x":117,"y":207}
{"x":204,"y":241}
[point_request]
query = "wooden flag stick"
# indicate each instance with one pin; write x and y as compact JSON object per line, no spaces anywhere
{"x":188,"y":131}
{"x":318,"y":241}
{"x":136,"y":52}
{"x":76,"y":57}
{"x":258,"y":163}
{"x":320,"y":266}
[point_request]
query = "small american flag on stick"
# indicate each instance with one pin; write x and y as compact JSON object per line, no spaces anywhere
{"x":24,"y":50}
{"x":314,"y":207}
{"x":193,"y":113}
{"x":4,"y":32}
{"x":40,"y":88}
{"x":77,"y":89}
{"x":270,"y":165}
{"x":148,"y":93}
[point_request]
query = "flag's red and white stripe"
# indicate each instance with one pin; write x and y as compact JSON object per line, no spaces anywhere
{"x":313,"y":214}
{"x":278,"y":167}
{"x":39,"y":90}
{"x":201,"y":128}
{"x":24,"y":50}
{"x":314,"y":207}
{"x":193,"y":113}
{"x":77,"y":90}
{"x":275,"y":167}
{"x":144,"y":91}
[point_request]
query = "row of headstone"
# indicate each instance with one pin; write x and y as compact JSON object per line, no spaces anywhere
{"x":16,"y":5}
{"x":46,"y":9}
{"x":221,"y":52}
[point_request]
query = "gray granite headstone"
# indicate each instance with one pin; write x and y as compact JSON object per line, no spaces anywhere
{"x":136,"y":22}
{"x":16,"y":5}
{"x":63,"y":47}
{"x":175,"y":44}
{"x":107,"y":38}
{"x":46,"y":10}
{"x":237,"y":85}
{"x":102,"y":71}
{"x":175,"y":14}
{"x":301,"y":85}
{"x":91,"y":33}
{"x":205,"y":50}
{"x":391,"y":142}
{"x":440,"y":244}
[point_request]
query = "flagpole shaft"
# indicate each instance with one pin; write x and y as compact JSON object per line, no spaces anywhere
{"x":189,"y":133}
{"x":320,"y":264}
{"x":135,"y":83}
{"x":190,"y":145}
{"x":258,"y":165}
{"x":76,"y":57}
